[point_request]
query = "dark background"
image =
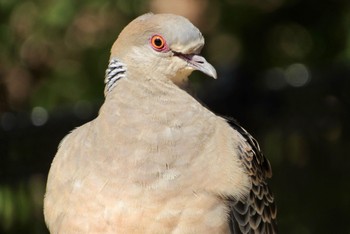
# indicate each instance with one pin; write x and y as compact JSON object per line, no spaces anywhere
{"x":283,"y":70}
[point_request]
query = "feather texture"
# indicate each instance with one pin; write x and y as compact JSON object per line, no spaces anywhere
{"x":256,"y":213}
{"x":115,"y":71}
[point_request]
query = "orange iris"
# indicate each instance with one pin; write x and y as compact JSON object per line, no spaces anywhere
{"x":158,"y":42}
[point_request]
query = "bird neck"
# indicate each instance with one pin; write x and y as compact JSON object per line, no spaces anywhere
{"x":118,"y":70}
{"x":114,"y":72}
{"x":129,"y":96}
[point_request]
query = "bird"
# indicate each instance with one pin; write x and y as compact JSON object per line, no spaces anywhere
{"x":156,"y":160}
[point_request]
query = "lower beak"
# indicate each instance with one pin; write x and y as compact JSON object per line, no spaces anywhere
{"x":199,"y":63}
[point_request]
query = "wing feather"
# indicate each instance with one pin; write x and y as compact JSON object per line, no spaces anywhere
{"x":257,"y":212}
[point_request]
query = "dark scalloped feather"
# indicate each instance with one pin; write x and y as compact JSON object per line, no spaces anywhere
{"x":257,"y":212}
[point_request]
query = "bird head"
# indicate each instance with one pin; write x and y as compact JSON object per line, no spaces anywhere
{"x":165,"y":46}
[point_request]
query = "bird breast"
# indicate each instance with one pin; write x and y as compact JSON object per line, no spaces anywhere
{"x":160,"y":138}
{"x":143,"y":161}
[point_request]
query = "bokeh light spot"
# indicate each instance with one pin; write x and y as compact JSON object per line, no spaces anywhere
{"x":39,"y":116}
{"x":297,"y":75}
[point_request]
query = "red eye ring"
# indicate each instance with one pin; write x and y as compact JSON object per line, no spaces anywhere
{"x":158,"y":42}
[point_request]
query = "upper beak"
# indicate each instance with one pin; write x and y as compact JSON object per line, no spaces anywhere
{"x":199,"y":63}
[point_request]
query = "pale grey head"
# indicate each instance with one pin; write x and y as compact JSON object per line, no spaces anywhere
{"x":166,"y":45}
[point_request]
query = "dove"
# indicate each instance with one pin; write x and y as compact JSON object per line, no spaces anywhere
{"x":155,"y":160}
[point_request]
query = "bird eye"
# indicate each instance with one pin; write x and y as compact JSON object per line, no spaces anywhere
{"x":158,"y":42}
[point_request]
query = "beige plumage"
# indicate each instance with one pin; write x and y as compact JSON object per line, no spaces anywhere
{"x":155,"y":160}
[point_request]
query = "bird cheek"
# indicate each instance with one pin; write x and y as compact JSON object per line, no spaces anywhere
{"x":184,"y":67}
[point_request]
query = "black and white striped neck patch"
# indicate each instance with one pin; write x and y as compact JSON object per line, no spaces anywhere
{"x":115,"y":71}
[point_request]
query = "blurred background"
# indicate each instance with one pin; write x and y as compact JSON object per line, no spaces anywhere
{"x":283,"y":70}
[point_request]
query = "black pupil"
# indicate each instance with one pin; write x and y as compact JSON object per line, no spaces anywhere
{"x":158,"y":42}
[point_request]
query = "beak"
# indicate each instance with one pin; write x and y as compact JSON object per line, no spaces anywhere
{"x":199,"y":63}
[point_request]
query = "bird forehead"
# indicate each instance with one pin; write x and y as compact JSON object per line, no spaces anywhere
{"x":183,"y":38}
{"x":180,"y":34}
